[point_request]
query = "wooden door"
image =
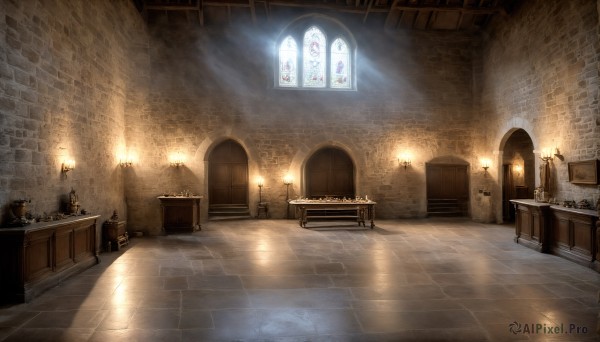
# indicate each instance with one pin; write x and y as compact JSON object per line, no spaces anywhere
{"x":447,"y":188}
{"x":228,"y":175}
{"x":330,"y":172}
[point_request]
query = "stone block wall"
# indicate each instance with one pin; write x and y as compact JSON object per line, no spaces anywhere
{"x":91,"y":81}
{"x":540,"y":72}
{"x":67,"y":69}
{"x":207,"y":85}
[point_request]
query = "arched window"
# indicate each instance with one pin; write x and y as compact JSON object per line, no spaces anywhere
{"x":314,"y":58}
{"x":307,"y":60}
{"x":340,"y":64}
{"x":288,"y":58}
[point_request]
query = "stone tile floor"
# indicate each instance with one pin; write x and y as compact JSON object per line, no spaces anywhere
{"x":270,"y":280}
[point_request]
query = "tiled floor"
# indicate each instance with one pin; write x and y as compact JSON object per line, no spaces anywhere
{"x":270,"y":280}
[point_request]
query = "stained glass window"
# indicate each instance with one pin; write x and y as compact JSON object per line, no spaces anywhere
{"x":340,"y":64}
{"x":314,"y":58}
{"x":288,"y":57}
{"x":307,"y":59}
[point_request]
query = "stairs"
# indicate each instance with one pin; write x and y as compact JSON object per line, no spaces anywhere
{"x":220,"y":212}
{"x":446,"y":207}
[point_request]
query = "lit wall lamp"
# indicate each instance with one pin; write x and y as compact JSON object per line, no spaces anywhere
{"x":485,"y":164}
{"x":67,"y":165}
{"x":404,"y":160}
{"x":546,"y":155}
{"x":126,"y":162}
{"x":260,"y":182}
{"x":177,"y":160}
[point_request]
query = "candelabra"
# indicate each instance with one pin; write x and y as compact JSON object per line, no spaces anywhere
{"x":287,"y":180}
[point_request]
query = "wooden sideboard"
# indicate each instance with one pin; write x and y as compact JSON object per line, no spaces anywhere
{"x":39,"y":256}
{"x":531,"y":223}
{"x":574,"y":235}
{"x":566,"y":232}
{"x":180,"y":214}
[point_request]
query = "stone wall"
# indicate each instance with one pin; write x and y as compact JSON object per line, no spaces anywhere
{"x":414,"y":94}
{"x":67,"y":69}
{"x":540,"y":72}
{"x":91,"y":81}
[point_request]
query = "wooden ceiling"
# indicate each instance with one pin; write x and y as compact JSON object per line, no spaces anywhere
{"x":451,"y":15}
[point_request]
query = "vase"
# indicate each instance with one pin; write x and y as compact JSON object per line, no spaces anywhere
{"x":19,"y":208}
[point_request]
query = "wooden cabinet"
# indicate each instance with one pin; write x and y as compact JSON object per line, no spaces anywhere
{"x":180,"y":214}
{"x":574,"y":235}
{"x":531,"y":224}
{"x":115,"y":235}
{"x":566,"y":232}
{"x":41,"y":255}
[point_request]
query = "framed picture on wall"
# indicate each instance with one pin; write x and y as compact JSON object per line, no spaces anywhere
{"x":584,"y":172}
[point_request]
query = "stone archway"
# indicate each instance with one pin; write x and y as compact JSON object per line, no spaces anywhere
{"x":228,"y":180}
{"x":503,"y":134}
{"x":518,"y":171}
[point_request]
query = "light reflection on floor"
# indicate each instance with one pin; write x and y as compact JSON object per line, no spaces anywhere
{"x":269,"y":280}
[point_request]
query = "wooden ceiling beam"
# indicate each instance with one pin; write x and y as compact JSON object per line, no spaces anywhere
{"x":388,"y":18}
{"x":201,"y":12}
{"x":484,"y":10}
{"x":170,"y":8}
{"x":369,"y":6}
{"x":252,"y":11}
{"x":326,"y":6}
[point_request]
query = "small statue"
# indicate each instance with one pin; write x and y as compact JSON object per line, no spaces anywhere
{"x":73,"y":202}
{"x":115,"y":216}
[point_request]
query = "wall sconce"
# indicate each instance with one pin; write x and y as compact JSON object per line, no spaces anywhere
{"x":67,"y":165}
{"x":177,"y":160}
{"x":127,"y":162}
{"x":546,"y":155}
{"x":260,"y":182}
{"x":518,"y":169}
{"x":558,"y":155}
{"x":485,"y":164}
{"x":404,"y":160}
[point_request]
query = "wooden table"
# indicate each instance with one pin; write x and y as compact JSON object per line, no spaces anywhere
{"x":180,"y":213}
{"x":361,"y":210}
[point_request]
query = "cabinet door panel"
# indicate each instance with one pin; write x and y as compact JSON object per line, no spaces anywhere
{"x":81,"y":246}
{"x":561,"y":231}
{"x":526,"y":222}
{"x":64,"y":250}
{"x":178,"y":216}
{"x":38,"y":259}
{"x":583,"y":236}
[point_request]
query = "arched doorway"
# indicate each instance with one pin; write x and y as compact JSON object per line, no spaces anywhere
{"x":330,"y":172}
{"x":228,"y":180}
{"x":518,"y":171}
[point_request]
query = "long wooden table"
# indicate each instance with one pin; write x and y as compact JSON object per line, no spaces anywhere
{"x":359,"y":210}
